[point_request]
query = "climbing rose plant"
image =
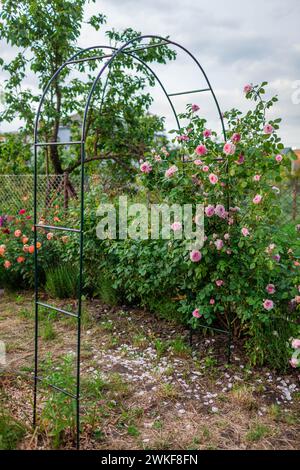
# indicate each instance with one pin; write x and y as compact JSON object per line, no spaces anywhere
{"x":247,"y":273}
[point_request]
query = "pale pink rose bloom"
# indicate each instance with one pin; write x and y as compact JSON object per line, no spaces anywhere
{"x":195,"y":256}
{"x":248,"y":88}
{"x":157,"y":158}
{"x":171,"y":171}
{"x":296,"y":343}
{"x":294,"y":362}
{"x":297,"y":299}
{"x":226,"y":236}
{"x":228,"y":252}
{"x":278,"y":158}
{"x":18,"y":233}
{"x":182,"y":138}
{"x":213,"y":178}
{"x":256,"y":177}
{"x":196,"y":313}
{"x":50,"y":235}
{"x":207,"y":133}
{"x":219,"y":244}
{"x":209,"y":210}
{"x":268,"y":304}
{"x":212,"y":301}
{"x":201,"y":149}
{"x":236,"y":137}
{"x":230,"y":221}
{"x":145,"y":167}
{"x":270,"y":289}
{"x":268,"y":129}
{"x":245,"y":231}
{"x":176,"y":226}
{"x":270,"y":248}
{"x":205,"y":168}
{"x":257,"y":199}
{"x":220,"y":211}
{"x":198,"y":162}
{"x":195,"y":108}
{"x":219,"y":282}
{"x":229,"y":148}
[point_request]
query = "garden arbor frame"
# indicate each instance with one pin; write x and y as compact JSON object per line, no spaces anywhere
{"x":129,"y":48}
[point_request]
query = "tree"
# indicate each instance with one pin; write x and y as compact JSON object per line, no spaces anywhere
{"x":45,"y":34}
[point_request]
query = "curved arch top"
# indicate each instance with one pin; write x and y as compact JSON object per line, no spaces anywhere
{"x":114,"y":52}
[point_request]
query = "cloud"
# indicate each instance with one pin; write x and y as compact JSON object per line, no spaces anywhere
{"x":236,"y":43}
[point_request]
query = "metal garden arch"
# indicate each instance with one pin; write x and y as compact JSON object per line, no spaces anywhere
{"x":75,"y":59}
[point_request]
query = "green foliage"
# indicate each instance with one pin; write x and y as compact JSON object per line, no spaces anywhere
{"x":15,"y":155}
{"x":11,"y":432}
{"x":62,"y":281}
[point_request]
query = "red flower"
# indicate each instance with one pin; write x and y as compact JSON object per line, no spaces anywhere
{"x":22,"y":211}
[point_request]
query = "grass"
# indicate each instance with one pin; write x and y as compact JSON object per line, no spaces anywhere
{"x":257,"y":432}
{"x":11,"y":432}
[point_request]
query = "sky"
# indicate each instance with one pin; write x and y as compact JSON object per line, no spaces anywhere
{"x":236,"y":42}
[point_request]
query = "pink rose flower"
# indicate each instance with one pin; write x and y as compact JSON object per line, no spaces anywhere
{"x":183,"y":138}
{"x":220,"y":211}
{"x":213,"y":178}
{"x":278,"y":158}
{"x":7,"y":264}
{"x":236,"y":137}
{"x":209,"y":210}
{"x":171,"y":171}
{"x":219,"y":282}
{"x":195,"y":108}
{"x":146,"y":167}
{"x":257,"y":199}
{"x":206,"y":133}
{"x":248,"y":88}
{"x":226,"y":236}
{"x":157,"y":158}
{"x":268,"y":304}
{"x":245,"y":231}
{"x":205,"y":168}
{"x":294,"y":362}
{"x":195,"y":256}
{"x":22,"y":211}
{"x":296,"y":343}
{"x":270,"y":289}
{"x":176,"y":226}
{"x":219,"y":244}
{"x":201,"y":149}
{"x":18,"y":233}
{"x":241,"y":159}
{"x":229,"y":148}
{"x":198,"y":162}
{"x":277,"y":258}
{"x":212,"y":301}
{"x":268,"y":129}
{"x":196,"y":313}
{"x":256,"y":177}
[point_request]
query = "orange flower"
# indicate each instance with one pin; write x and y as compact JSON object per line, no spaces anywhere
{"x":25,"y":240}
{"x":296,"y":263}
{"x":38,"y":245}
{"x":26,"y":248}
{"x":31,"y":249}
{"x":49,"y":236}
{"x":7,"y":264}
{"x":20,"y":259}
{"x":2,"y":250}
{"x":56,"y":219}
{"x":18,"y":233}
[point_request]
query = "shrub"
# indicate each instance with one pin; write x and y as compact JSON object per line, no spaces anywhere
{"x":62,"y":281}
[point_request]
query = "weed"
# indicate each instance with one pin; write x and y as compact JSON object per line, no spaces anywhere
{"x":11,"y":432}
{"x":257,"y":432}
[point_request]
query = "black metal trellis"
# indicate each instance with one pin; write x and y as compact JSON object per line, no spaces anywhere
{"x":75,"y":59}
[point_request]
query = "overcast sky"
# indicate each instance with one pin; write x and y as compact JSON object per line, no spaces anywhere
{"x":237,"y":42}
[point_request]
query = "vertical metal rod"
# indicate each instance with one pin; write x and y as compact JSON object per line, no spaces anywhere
{"x":35,"y":285}
{"x":229,"y":345}
{"x":80,"y":296}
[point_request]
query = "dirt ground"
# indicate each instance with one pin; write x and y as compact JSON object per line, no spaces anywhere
{"x":151,"y":389}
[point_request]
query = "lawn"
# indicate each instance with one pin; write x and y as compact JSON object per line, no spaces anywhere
{"x":143,"y":386}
